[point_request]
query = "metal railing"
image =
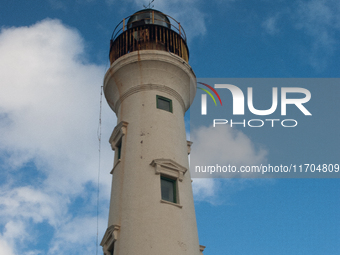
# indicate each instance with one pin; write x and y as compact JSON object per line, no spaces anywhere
{"x":176,"y":26}
{"x":132,"y":36}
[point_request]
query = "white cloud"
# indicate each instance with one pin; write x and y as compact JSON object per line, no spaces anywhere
{"x":270,"y":25}
{"x":27,"y":203}
{"x":57,"y":4}
{"x":51,"y":103}
{"x":320,"y":20}
{"x":76,"y":234}
{"x":14,"y":232}
{"x":205,"y":189}
{"x":49,"y":113}
{"x":223,"y":146}
{"x":5,"y":248}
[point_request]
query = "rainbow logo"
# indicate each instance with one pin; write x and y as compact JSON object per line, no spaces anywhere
{"x":204,"y":97}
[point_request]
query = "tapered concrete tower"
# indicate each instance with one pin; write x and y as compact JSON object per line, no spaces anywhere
{"x":150,"y":86}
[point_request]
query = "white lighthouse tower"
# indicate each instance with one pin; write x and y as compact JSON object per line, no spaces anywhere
{"x":150,"y":86}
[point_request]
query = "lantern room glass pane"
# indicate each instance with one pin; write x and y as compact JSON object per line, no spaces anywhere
{"x":145,"y":17}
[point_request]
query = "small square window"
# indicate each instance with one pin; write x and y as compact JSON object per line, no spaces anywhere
{"x":164,"y":103}
{"x":168,"y":189}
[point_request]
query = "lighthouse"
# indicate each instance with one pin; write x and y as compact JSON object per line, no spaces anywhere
{"x":150,"y":86}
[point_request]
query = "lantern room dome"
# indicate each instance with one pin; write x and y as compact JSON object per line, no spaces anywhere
{"x":148,"y":16}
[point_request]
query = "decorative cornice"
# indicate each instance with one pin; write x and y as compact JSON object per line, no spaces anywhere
{"x":146,"y":87}
{"x":169,"y":167}
{"x":146,"y":55}
{"x":115,"y":166}
{"x":202,"y":247}
{"x":117,"y":133}
{"x":110,"y":235}
{"x":189,"y":143}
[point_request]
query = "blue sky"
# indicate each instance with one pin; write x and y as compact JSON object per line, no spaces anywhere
{"x":54,"y":55}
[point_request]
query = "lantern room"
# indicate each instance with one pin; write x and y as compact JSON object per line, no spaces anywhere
{"x":148,"y":29}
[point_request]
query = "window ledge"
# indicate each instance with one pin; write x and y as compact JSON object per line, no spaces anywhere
{"x":115,"y":166}
{"x":170,"y":203}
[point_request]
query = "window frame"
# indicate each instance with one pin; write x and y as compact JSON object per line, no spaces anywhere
{"x":119,"y":149}
{"x":174,"y":187}
{"x":109,"y":239}
{"x":116,"y":141}
{"x":111,"y":250}
{"x":170,"y":169}
{"x":164,"y":99}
